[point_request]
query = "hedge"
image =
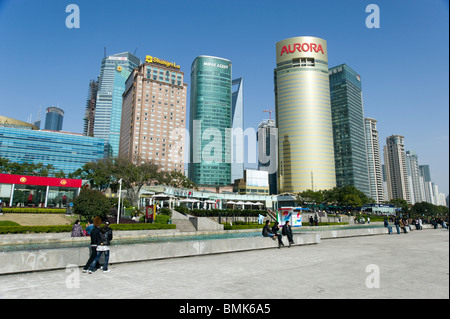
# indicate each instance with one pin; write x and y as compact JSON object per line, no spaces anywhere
{"x":32,"y":210}
{"x":68,"y":228}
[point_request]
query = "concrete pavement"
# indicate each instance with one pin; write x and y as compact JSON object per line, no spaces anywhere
{"x":413,"y":265}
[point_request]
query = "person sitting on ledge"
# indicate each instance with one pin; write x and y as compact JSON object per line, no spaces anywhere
{"x":267,"y":232}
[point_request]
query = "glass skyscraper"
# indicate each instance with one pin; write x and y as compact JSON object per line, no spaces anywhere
{"x":210,"y":121}
{"x":114,"y":72}
{"x":303,"y":116}
{"x":67,"y":152}
{"x":237,"y":164}
{"x":54,"y":119}
{"x":348,"y":128}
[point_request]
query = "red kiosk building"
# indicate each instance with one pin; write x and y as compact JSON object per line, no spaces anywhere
{"x":37,"y":191}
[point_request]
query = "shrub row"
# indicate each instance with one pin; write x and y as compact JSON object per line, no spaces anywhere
{"x":68,"y":228}
{"x":35,"y":229}
{"x":32,"y":210}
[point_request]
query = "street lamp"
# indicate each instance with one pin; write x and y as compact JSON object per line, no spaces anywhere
{"x":118,"y":206}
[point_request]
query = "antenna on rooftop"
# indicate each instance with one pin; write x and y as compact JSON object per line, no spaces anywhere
{"x":135,"y":51}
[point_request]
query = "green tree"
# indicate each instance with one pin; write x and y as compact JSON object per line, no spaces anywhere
{"x":310,"y":197}
{"x":91,"y":203}
{"x":134,"y":176}
{"x":178,"y":180}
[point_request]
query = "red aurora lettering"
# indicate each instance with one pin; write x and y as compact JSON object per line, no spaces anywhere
{"x":302,"y":47}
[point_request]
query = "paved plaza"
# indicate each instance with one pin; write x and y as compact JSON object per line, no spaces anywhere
{"x":413,"y":265}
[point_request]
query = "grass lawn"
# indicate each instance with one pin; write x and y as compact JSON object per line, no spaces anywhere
{"x":38,"y":219}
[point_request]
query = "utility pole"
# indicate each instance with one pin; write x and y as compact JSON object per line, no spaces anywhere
{"x":118,"y":204}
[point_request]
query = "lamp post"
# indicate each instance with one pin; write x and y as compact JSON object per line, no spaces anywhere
{"x":118,"y":205}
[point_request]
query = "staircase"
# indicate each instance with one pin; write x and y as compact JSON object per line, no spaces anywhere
{"x":272,"y":215}
{"x":184,"y":225}
{"x":182,"y":222}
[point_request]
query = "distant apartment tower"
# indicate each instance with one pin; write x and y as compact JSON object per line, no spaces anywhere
{"x":54,"y":119}
{"x":428,"y":184}
{"x":396,"y":169}
{"x":415,"y":178}
{"x":350,"y":151}
{"x":210,"y":121}
{"x":237,"y":116}
{"x":154,"y":115}
{"x":114,"y":72}
{"x":374,"y":160}
{"x":267,"y":152}
{"x":303,"y":115}
{"x":89,"y":114}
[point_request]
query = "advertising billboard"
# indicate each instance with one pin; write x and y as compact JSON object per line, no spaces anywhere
{"x":291,"y":214}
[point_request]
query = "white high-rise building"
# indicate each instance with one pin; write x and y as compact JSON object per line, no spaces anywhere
{"x":396,"y":169}
{"x":374,"y":160}
{"x":414,"y":178}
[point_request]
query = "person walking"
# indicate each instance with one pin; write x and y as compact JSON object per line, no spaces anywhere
{"x":103,"y":247}
{"x":275,"y":231}
{"x":287,"y":231}
{"x":77,"y":229}
{"x":95,"y":238}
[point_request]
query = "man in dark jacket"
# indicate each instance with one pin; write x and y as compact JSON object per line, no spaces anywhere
{"x":95,"y":238}
{"x":287,"y":231}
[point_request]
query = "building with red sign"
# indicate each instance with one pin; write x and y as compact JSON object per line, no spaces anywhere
{"x":37,"y":191}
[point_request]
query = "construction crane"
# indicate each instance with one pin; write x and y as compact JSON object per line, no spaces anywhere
{"x":270,"y":113}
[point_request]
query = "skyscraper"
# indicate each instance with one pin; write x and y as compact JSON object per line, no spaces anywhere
{"x":89,"y":115}
{"x":415,"y":179}
{"x":428,"y":184}
{"x":237,"y":115}
{"x":303,"y":116}
{"x":267,"y":152}
{"x":210,"y":121}
{"x":154,"y":115}
{"x":54,"y":119}
{"x":350,"y":152}
{"x":396,"y":170}
{"x":114,"y":72}
{"x":374,"y":160}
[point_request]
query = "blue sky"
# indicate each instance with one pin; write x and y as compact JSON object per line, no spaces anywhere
{"x":403,"y":65}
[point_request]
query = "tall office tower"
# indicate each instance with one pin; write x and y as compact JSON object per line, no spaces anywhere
{"x":237,"y":116}
{"x":267,"y":152}
{"x":154,"y":115}
{"x":303,"y":116}
{"x":428,"y":187}
{"x":89,"y":115}
{"x":415,"y":178}
{"x":396,"y":170}
{"x":210,"y":121}
{"x":350,"y":153}
{"x":114,"y":72}
{"x":54,"y":119}
{"x":374,"y":160}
